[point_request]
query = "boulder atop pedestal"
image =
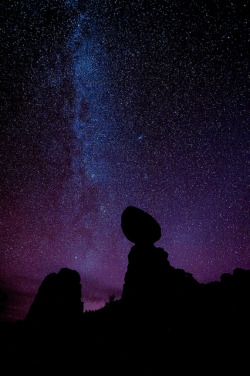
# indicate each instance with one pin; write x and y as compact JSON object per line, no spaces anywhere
{"x":140,"y":227}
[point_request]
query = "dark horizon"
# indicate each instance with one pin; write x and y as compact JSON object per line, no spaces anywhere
{"x":163,"y":316}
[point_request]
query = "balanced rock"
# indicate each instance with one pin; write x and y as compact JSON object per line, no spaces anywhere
{"x":140,"y":227}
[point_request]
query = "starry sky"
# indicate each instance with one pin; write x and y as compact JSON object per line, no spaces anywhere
{"x":107,"y":104}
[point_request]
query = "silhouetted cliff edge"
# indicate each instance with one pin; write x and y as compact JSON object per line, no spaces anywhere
{"x":164,"y":320}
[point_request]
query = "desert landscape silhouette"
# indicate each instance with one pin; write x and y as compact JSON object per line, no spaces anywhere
{"x":164,"y":320}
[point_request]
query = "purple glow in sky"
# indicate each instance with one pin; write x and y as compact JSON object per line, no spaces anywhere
{"x":110,"y":104}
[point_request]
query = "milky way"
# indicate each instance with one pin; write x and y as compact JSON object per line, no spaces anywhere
{"x":109,"y":104}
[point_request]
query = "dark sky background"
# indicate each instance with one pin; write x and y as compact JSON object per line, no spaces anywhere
{"x":107,"y":104}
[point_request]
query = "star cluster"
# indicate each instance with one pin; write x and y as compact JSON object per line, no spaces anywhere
{"x":108,"y":104}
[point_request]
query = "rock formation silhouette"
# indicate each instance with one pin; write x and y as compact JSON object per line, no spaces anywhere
{"x":58,"y":300}
{"x":151,"y":283}
{"x":165,"y":321}
{"x":3,"y":300}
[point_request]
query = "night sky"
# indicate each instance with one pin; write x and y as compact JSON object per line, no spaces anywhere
{"x":106,"y":104}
